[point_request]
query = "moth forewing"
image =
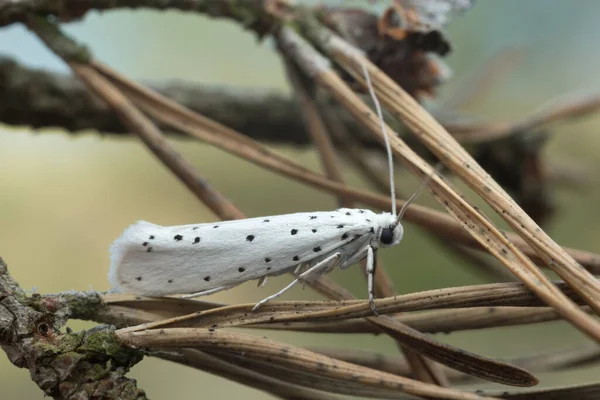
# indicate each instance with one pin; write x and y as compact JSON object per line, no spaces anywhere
{"x":154,"y":260}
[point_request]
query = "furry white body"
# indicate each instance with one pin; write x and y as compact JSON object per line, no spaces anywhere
{"x":154,"y":260}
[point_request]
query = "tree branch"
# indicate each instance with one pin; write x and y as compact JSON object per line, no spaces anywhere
{"x":249,"y":12}
{"x":84,"y":365}
{"x":41,"y":99}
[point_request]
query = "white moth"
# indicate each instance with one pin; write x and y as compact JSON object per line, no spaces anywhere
{"x":201,"y":259}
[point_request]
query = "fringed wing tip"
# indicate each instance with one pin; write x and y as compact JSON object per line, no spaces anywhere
{"x":118,"y":249}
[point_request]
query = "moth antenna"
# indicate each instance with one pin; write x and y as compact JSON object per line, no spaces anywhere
{"x":388,"y":146}
{"x":424,"y":183}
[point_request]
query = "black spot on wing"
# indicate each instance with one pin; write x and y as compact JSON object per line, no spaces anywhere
{"x":266,"y":220}
{"x":196,"y":240}
{"x":178,"y":238}
{"x":314,"y":230}
{"x":348,"y":213}
{"x":145,"y":244}
{"x":241,"y":269}
{"x":216,"y":226}
{"x":267,"y":260}
{"x":170,"y":281}
{"x":294,"y":231}
{"x":149,"y":250}
{"x":317,"y":249}
{"x":250,"y":238}
{"x":372,"y":230}
{"x":313,"y":217}
{"x":151,"y":237}
{"x":207,"y":278}
{"x":138,"y":278}
{"x":296,"y":258}
{"x":194,"y":228}
{"x":361,"y":211}
{"x":345,"y":236}
{"x":340,"y":226}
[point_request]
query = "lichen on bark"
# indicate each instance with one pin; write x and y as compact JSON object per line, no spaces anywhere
{"x":65,"y":365}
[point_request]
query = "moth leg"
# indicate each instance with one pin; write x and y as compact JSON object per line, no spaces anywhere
{"x":321,"y":265}
{"x":300,"y":269}
{"x":370,"y":278}
{"x":206,"y":292}
{"x":324,"y":267}
{"x":304,"y":268}
{"x":262,"y":281}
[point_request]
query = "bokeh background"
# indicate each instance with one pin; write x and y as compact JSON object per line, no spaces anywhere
{"x":63,"y":200}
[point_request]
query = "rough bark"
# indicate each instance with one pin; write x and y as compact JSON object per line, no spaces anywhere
{"x":64,"y":364}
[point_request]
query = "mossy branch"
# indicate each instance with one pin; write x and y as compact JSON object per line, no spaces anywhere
{"x":64,"y":364}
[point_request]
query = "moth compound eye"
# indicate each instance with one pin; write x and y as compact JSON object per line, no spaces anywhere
{"x":387,"y":236}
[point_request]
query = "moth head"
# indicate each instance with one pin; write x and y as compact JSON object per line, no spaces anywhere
{"x":391,"y":235}
{"x":390,"y":231}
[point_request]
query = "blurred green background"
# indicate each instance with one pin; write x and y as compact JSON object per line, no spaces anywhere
{"x":64,"y":200}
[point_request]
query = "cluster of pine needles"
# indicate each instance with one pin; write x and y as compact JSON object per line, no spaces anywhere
{"x":321,"y":61}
